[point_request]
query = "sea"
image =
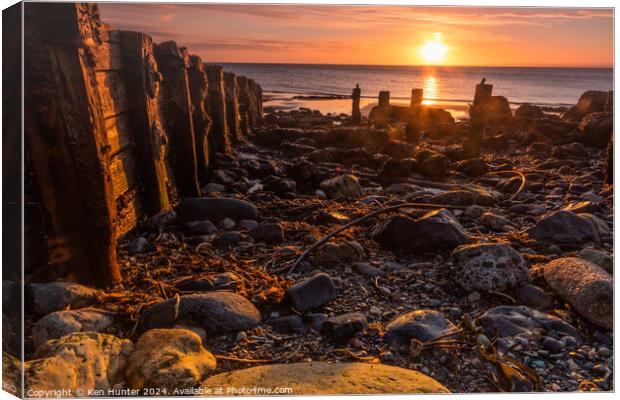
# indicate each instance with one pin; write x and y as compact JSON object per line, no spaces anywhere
{"x":326,"y":87}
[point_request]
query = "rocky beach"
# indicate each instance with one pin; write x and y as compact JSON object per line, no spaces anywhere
{"x":181,"y":227}
{"x":460,"y":256}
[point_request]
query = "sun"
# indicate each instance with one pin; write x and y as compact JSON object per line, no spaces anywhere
{"x":434,"y":51}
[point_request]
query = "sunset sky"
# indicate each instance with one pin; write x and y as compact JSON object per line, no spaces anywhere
{"x":399,"y":35}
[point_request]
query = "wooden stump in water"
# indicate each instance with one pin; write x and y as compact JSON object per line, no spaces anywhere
{"x":356,"y":115}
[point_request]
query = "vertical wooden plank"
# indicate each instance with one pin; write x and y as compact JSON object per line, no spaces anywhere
{"x":232,"y":107}
{"x":67,"y":141}
{"x":244,"y":105}
{"x":255,"y":112}
{"x":142,"y":78}
{"x":220,"y":135}
{"x":198,"y":89}
{"x":176,"y":116}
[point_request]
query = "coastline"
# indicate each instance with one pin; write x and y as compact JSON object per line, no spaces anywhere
{"x":341,"y":104}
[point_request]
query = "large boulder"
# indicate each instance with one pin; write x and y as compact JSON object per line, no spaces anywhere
{"x":342,"y":187}
{"x":398,"y":149}
{"x":435,"y":230}
{"x":597,"y":128}
{"x":557,"y":131}
{"x":215,"y":312}
{"x":78,"y":363}
{"x":322,"y":378}
{"x":585,"y":286}
{"x":494,"y":110}
{"x":61,"y":323}
{"x":421,"y":325}
{"x":528,"y":111}
{"x":564,"y":228}
{"x":489,"y":266}
{"x":54,"y":296}
{"x":169,"y":359}
{"x":396,"y":170}
{"x":589,"y":102}
{"x":215,"y":209}
{"x":435,"y":165}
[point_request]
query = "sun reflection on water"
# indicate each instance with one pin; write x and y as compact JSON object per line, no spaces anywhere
{"x":431,"y":92}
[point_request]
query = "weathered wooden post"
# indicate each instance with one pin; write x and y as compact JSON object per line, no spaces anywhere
{"x":175,"y":112}
{"x":483,"y":92}
{"x":384,"y":99}
{"x":417,"y":95}
{"x":142,"y":77}
{"x":244,"y":105}
{"x":66,"y":139}
{"x":220,"y":134}
{"x":232,"y":107}
{"x":198,"y":89}
{"x":255,"y":103}
{"x":356,"y":115}
{"x":473,"y":142}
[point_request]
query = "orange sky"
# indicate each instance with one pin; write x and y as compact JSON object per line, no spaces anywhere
{"x":376,"y":34}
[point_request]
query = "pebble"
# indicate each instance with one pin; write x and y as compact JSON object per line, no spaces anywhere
{"x":483,"y":340}
{"x":54,"y":296}
{"x":139,"y":245}
{"x":344,"y":326}
{"x":604,"y":352}
{"x":588,"y":365}
{"x":553,"y":345}
{"x":366,"y":269}
{"x":473,"y":297}
{"x":600,"y":337}
{"x":227,"y":240}
{"x":420,"y":324}
{"x":387,"y":357}
{"x":200,"y":228}
{"x":215,"y":209}
{"x":600,"y":369}
{"x":533,"y":296}
{"x":268,"y":233}
{"x":569,"y":341}
{"x":247,"y":224}
{"x":435,"y":230}
{"x":572,"y":364}
{"x":312,"y":292}
{"x":216,"y":312}
{"x":227,"y":224}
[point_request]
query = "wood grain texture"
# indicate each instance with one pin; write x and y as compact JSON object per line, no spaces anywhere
{"x":175,"y":113}
{"x":198,"y":89}
{"x":142,"y":79}
{"x":67,"y":141}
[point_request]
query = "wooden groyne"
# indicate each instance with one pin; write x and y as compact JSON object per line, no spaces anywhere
{"x":117,"y":129}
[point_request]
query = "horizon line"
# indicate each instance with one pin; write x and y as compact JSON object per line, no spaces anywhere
{"x":415,"y":65}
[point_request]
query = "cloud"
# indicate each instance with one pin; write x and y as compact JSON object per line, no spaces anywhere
{"x":248,"y":32}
